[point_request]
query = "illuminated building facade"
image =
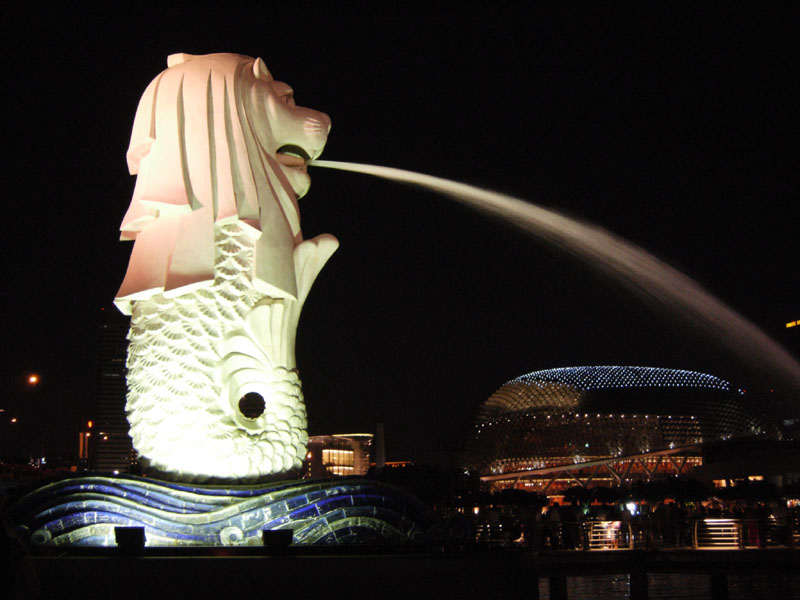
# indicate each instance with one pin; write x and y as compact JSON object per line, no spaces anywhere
{"x":603,"y":425}
{"x":341,"y":455}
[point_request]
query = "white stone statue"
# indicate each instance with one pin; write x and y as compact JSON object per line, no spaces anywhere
{"x":219,"y":269}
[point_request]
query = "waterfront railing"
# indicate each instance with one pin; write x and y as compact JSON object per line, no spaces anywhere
{"x":595,"y":535}
{"x":608,"y":535}
{"x":717,"y":534}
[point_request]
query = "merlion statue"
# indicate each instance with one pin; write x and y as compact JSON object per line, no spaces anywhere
{"x":219,"y":270}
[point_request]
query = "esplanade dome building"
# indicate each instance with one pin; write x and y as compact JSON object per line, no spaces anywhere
{"x":603,"y":425}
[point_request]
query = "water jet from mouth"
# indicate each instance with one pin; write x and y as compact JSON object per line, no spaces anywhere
{"x":638,"y":270}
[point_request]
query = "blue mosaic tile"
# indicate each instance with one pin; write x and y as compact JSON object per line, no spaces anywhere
{"x":83,"y":511}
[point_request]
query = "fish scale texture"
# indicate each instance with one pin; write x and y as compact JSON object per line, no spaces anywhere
{"x":180,"y":420}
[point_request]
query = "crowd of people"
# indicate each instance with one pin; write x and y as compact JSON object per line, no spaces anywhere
{"x":665,"y":524}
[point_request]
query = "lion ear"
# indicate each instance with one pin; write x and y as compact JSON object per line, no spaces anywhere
{"x":260,"y":70}
{"x":178,"y":59}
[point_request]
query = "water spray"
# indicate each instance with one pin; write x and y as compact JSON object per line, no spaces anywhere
{"x":634,"y":267}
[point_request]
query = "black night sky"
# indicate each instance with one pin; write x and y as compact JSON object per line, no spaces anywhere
{"x":670,"y":125}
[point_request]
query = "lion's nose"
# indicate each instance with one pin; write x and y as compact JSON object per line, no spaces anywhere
{"x":327,"y":120}
{"x":316,"y":124}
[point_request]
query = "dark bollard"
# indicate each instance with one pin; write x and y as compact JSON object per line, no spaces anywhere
{"x":639,"y":585}
{"x":533,"y":594}
{"x":276,"y":540}
{"x":558,"y":588}
{"x":719,"y":586}
{"x":130,"y":540}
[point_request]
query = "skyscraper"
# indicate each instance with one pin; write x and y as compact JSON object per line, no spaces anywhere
{"x":111,"y":448}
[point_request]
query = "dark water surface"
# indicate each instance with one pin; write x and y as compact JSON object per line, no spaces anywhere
{"x":671,"y":586}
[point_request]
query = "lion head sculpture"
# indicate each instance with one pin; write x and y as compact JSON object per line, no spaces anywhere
{"x":216,"y":139}
{"x":219,"y":269}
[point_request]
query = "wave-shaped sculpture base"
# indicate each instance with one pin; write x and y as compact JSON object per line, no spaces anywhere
{"x":84,"y":511}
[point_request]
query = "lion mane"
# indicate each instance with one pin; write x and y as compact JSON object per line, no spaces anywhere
{"x":196,"y":152}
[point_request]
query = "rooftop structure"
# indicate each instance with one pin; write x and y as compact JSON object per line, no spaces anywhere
{"x":341,"y":455}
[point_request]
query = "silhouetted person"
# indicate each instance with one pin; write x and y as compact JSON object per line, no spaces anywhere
{"x":782,"y":531}
{"x":16,"y":571}
{"x":762,"y":513}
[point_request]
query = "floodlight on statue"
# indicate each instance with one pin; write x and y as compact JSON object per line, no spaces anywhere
{"x":219,"y":269}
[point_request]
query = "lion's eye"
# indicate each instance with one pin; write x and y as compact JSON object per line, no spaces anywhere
{"x":288,"y":99}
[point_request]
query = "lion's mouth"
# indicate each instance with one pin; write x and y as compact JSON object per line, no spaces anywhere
{"x":290,"y":155}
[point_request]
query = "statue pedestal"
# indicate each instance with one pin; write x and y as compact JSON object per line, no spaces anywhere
{"x":84,"y":511}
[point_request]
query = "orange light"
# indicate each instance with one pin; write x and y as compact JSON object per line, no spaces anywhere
{"x":14,"y":419}
{"x":792,"y":324}
{"x":33,"y":379}
{"x":89,"y":424}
